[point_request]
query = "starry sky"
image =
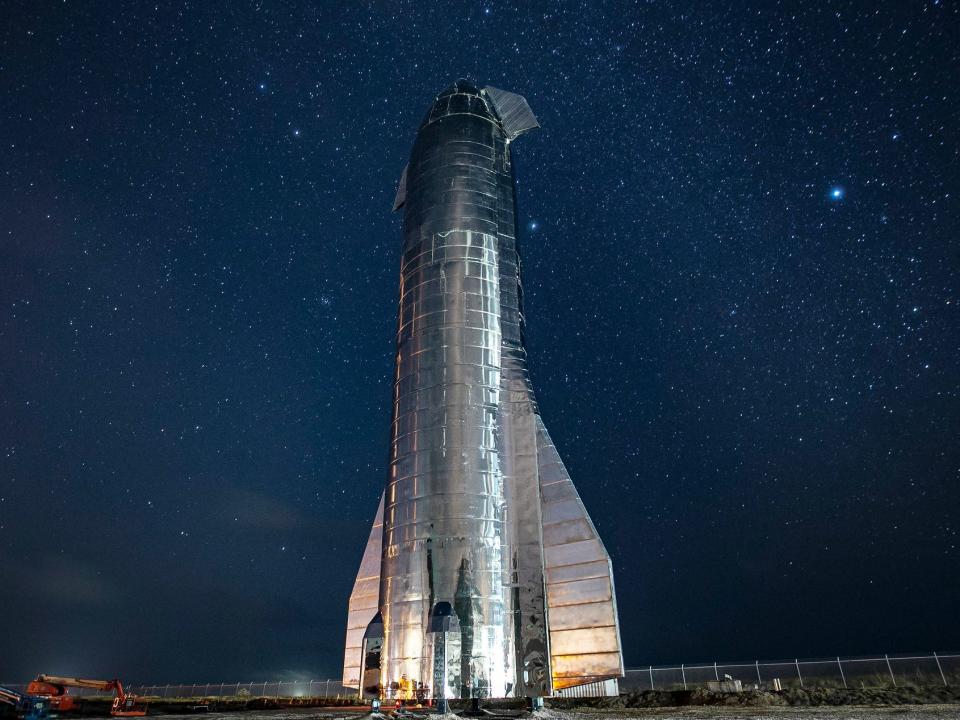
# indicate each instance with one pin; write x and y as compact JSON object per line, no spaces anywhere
{"x":739,"y":225}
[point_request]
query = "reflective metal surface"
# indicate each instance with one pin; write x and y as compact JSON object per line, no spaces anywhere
{"x":470,"y":537}
{"x":515,"y":115}
{"x":444,"y":527}
{"x":584,"y":628}
{"x":364,"y":601}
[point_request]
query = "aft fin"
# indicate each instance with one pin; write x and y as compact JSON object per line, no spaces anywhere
{"x":401,"y":197}
{"x":581,"y":602}
{"x":515,"y":114}
{"x":364,"y":601}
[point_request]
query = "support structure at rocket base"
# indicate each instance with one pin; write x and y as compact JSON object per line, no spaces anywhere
{"x":483,"y":575}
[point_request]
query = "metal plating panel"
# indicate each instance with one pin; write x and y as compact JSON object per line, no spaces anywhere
{"x":401,"y":196}
{"x":444,"y":538}
{"x":363,"y":601}
{"x":513,"y":110}
{"x":518,"y":439}
{"x":492,"y":581}
{"x":582,"y":605}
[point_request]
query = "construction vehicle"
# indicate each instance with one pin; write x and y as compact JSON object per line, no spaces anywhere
{"x":25,"y":707}
{"x":56,"y":689}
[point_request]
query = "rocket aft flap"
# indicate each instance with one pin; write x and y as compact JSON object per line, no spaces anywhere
{"x":483,"y":575}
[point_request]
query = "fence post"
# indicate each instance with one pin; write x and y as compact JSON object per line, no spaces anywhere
{"x":263,"y":693}
{"x":942,"y":676}
{"x":327,"y":691}
{"x":716,"y":674}
{"x":683,"y":674}
{"x":759,"y":681}
{"x":651,"y":677}
{"x":797,"y":663}
{"x":887,"y":658}
{"x":842,"y":676}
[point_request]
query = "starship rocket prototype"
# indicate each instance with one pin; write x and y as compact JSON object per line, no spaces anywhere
{"x":483,"y":575}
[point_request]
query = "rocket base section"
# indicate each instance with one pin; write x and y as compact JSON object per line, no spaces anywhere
{"x":581,"y":602}
{"x":364,"y":602}
{"x":483,"y":575}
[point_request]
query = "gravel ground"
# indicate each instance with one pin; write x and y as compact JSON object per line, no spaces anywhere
{"x":900,"y":712}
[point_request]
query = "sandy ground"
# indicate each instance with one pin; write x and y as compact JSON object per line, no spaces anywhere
{"x":899,"y":712}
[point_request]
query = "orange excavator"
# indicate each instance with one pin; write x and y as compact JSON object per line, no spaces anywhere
{"x":56,"y":688}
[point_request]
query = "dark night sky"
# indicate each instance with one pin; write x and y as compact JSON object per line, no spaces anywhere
{"x":753,"y":380}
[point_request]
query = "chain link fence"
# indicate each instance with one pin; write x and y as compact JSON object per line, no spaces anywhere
{"x":851,"y":672}
{"x":291,"y":689}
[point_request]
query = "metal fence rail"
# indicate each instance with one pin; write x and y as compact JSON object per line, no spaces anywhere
{"x":274,"y":689}
{"x":851,"y":672}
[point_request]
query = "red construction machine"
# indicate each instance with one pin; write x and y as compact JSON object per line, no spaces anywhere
{"x":56,"y":688}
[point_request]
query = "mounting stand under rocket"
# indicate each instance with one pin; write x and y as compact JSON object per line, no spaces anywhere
{"x":483,"y":575}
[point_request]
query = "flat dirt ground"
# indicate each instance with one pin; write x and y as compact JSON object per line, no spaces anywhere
{"x":899,"y":712}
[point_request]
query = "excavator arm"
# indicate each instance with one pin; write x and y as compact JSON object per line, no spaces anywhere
{"x":56,"y":687}
{"x":10,"y":697}
{"x":65,"y":682}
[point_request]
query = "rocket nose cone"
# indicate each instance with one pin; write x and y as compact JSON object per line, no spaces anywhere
{"x":460,"y":86}
{"x":461,"y":97}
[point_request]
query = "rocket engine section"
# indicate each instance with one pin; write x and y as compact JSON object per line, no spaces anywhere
{"x":483,"y":575}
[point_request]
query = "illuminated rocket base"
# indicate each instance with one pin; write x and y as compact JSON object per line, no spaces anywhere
{"x":483,"y":575}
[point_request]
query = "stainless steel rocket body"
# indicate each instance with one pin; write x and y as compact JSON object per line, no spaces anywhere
{"x":444,"y":537}
{"x":462,"y":585}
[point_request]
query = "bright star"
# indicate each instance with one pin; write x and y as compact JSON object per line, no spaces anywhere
{"x":533,"y":225}
{"x":836,"y":193}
